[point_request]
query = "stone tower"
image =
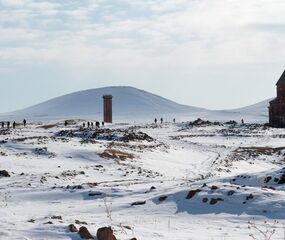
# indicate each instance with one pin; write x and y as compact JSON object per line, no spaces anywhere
{"x":277,"y":106}
{"x":108,"y":108}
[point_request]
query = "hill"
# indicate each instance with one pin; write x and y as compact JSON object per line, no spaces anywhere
{"x":131,"y":104}
{"x":128,"y":102}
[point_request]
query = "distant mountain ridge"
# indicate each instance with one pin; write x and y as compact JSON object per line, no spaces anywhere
{"x":129,"y":103}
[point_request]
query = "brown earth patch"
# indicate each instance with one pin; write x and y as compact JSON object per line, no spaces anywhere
{"x":116,"y":154}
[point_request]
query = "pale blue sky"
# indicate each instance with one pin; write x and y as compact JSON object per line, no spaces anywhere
{"x":208,"y":53}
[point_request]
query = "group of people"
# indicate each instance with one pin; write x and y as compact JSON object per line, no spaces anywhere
{"x":91,"y":124}
{"x":161,"y":120}
{"x":14,"y":124}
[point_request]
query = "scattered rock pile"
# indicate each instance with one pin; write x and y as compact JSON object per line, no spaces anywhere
{"x":200,"y":122}
{"x":105,"y":233}
{"x":117,"y":135}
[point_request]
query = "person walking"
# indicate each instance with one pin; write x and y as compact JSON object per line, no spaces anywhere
{"x":2,"y":124}
{"x":65,"y":123}
{"x":14,"y":124}
{"x":174,"y":120}
{"x":161,"y":120}
{"x":8,"y":124}
{"x":155,"y":120}
{"x":25,"y":122}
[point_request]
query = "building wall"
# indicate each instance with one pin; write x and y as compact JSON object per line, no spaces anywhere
{"x":277,"y":112}
{"x":281,"y":92}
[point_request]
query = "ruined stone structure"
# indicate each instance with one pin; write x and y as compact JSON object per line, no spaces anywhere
{"x":277,"y":106}
{"x":108,"y":108}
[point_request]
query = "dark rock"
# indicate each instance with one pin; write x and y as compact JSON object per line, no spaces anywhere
{"x":267,"y":179}
{"x":200,"y":122}
{"x":79,"y":187}
{"x":232,"y":122}
{"x":205,"y":200}
{"x":57,"y":217}
{"x":95,"y":194}
{"x":215,"y":201}
{"x":80,"y":223}
{"x":162,"y":198}
{"x":192,"y":193}
{"x":231,"y":192}
{"x":127,"y":227}
{"x":72,"y":228}
{"x":138,"y":203}
{"x":282,"y":179}
{"x":276,"y":180}
{"x":48,"y":223}
{"x":4,"y":173}
{"x":250,"y":196}
{"x":214,"y":188}
{"x":105,"y":233}
{"x":84,"y":233}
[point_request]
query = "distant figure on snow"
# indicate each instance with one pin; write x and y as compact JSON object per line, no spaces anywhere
{"x":65,"y":123}
{"x":103,"y":124}
{"x":8,"y":124}
{"x":92,"y":124}
{"x":155,"y":121}
{"x":88,"y":124}
{"x":84,"y":124}
{"x":25,"y":122}
{"x":14,"y":125}
{"x":242,"y":122}
{"x":2,"y":124}
{"x":161,"y":120}
{"x":174,"y":120}
{"x":97,"y":124}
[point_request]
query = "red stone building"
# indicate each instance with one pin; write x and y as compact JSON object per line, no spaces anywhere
{"x":108,"y":108}
{"x":277,"y":106}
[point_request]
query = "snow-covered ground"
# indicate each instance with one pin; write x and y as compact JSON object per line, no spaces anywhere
{"x":208,"y":181}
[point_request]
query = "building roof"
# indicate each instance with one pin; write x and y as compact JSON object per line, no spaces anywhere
{"x":281,"y":80}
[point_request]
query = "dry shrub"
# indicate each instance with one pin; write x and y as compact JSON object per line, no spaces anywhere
{"x":116,"y":154}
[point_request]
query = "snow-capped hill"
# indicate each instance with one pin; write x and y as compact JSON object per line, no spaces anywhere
{"x":131,"y":104}
{"x":254,"y":113}
{"x":260,"y":108}
{"x":128,"y":101}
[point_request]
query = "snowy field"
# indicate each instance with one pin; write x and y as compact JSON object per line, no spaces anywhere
{"x":166,"y":181}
